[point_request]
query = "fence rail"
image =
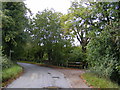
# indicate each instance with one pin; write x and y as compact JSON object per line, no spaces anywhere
{"x":81,"y":65}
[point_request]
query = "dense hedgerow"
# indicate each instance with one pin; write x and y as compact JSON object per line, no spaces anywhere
{"x":103,"y":56}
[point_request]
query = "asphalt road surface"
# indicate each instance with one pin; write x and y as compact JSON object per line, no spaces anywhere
{"x":40,"y":77}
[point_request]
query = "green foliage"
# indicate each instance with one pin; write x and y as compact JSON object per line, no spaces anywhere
{"x":78,"y":23}
{"x":97,"y":82}
{"x":5,"y":62}
{"x":33,"y":52}
{"x":14,"y":22}
{"x":61,"y":53}
{"x":11,"y":72}
{"x":48,"y":38}
{"x":77,"y":55}
{"x":105,"y":13}
{"x":104,"y":48}
{"x":104,"y":67}
{"x":103,"y":54}
{"x":46,"y":30}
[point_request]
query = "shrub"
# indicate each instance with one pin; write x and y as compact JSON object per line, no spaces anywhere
{"x":77,"y":55}
{"x":5,"y":62}
{"x":104,"y":67}
{"x":103,"y":56}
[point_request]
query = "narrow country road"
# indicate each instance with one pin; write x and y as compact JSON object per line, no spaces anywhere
{"x":43,"y":77}
{"x":39,"y":77}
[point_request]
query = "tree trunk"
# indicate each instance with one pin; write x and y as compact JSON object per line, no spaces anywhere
{"x":50,"y":56}
{"x":83,"y":49}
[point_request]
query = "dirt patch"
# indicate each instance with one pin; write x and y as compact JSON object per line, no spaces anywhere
{"x":74,"y":77}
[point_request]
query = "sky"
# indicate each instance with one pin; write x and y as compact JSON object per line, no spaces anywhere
{"x":40,"y":5}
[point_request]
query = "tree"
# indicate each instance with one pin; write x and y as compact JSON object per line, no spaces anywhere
{"x":14,"y":22}
{"x":78,"y":23}
{"x":105,"y":13}
{"x":103,"y":49}
{"x":47,"y":32}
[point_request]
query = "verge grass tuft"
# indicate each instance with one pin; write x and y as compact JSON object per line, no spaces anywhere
{"x":97,"y":82}
{"x":11,"y":72}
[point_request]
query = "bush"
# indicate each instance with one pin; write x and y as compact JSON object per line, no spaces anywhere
{"x":104,"y":67}
{"x":77,"y":55}
{"x":103,"y":56}
{"x":5,"y":62}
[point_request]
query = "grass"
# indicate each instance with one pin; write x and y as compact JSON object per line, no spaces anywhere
{"x":11,"y":72}
{"x":97,"y":82}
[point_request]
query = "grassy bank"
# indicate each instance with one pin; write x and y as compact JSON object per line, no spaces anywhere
{"x":10,"y":73}
{"x":97,"y":82}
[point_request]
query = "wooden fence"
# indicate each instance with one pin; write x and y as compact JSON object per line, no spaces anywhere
{"x":81,"y":65}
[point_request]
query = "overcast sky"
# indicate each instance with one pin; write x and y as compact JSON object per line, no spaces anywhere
{"x":40,"y":5}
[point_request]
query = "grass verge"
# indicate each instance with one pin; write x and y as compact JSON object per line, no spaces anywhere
{"x":8,"y":75}
{"x":97,"y":82}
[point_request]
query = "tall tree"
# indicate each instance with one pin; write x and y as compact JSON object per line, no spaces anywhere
{"x":78,"y":23}
{"x":46,"y":30}
{"x":14,"y":22}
